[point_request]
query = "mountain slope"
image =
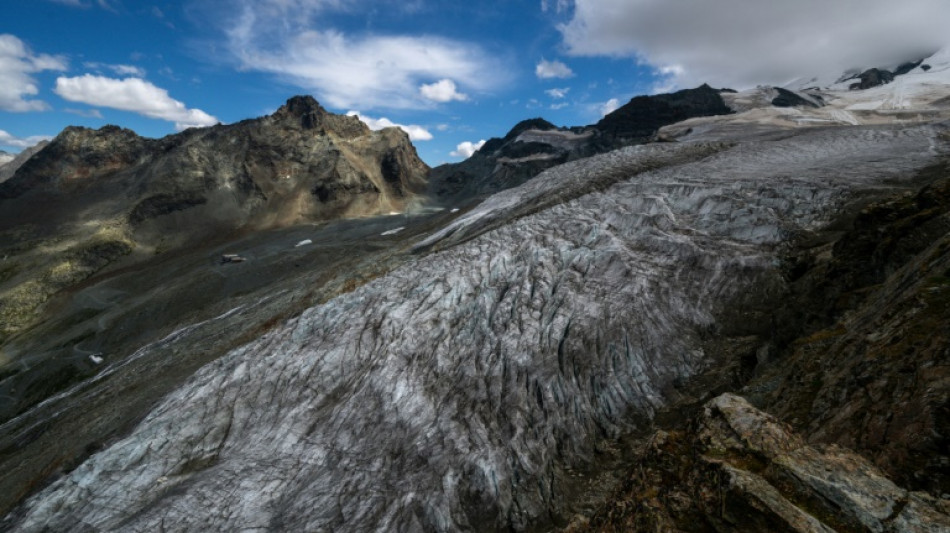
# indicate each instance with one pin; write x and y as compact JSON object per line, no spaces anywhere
{"x":535,"y":145}
{"x":465,"y":389}
{"x":92,"y":199}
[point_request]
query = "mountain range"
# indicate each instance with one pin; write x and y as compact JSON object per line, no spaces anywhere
{"x":712,"y":310}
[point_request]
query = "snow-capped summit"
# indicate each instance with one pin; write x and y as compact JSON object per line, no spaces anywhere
{"x":910,"y":93}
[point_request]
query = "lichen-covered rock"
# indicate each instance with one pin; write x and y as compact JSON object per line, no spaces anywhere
{"x":739,"y":469}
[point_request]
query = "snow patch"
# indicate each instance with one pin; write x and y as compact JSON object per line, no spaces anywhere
{"x":393,"y":231}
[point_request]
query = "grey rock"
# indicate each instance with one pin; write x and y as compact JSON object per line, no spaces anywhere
{"x":9,"y":168}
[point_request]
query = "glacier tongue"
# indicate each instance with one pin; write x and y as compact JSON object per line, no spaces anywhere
{"x":457,"y":391}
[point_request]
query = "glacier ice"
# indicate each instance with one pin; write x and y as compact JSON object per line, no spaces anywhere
{"x":459,"y":390}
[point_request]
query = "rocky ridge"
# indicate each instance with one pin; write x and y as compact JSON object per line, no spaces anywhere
{"x":535,"y":145}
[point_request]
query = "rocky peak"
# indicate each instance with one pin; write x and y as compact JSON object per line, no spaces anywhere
{"x":304,"y":112}
{"x":303,"y":109}
{"x":78,"y":153}
{"x":642,"y":116}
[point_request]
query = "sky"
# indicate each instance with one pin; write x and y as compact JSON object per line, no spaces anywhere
{"x":451,"y":74}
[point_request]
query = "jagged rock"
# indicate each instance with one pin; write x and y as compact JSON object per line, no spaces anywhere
{"x":788,"y":98}
{"x":904,"y":68}
{"x":642,"y":116}
{"x":872,"y":78}
{"x":739,"y":469}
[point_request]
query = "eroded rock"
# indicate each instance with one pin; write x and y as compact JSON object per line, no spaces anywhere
{"x":739,"y":469}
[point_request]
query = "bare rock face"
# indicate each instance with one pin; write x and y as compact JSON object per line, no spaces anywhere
{"x":739,"y":469}
{"x":642,"y":116}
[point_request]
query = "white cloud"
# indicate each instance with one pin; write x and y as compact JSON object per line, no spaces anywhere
{"x":442,"y":91}
{"x":608,"y":107}
{"x":467,"y":149}
{"x":121,"y":70}
{"x":21,"y":142}
{"x":415,"y":132}
{"x":552,"y":69}
{"x":556,"y":5}
{"x":562,"y":105}
{"x":737,"y":43}
{"x":88,"y":113}
{"x":131,"y":94}
{"x":345,"y":71}
{"x":558,"y":93}
{"x":17,"y":64}
{"x":104,"y":4}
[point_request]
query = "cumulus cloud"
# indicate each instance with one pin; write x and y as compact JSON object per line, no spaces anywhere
{"x":17,"y":64}
{"x":558,"y":93}
{"x":296,"y":40}
{"x":131,"y":94}
{"x":608,"y":107}
{"x":442,"y":91}
{"x":552,"y":69}
{"x":7,"y":139}
{"x":415,"y":132}
{"x":467,"y":149}
{"x":739,"y":43}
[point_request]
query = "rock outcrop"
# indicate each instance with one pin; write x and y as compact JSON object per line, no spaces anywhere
{"x":738,"y":469}
{"x":640,"y":118}
{"x":871,"y":373}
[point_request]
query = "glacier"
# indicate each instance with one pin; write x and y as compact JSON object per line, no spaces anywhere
{"x":462,"y":390}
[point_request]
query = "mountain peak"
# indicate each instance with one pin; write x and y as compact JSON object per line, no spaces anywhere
{"x":302,"y":105}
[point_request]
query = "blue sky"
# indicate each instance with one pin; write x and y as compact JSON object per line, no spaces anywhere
{"x":450,"y":72}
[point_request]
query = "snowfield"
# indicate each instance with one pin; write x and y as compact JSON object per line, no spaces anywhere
{"x":918,"y":97}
